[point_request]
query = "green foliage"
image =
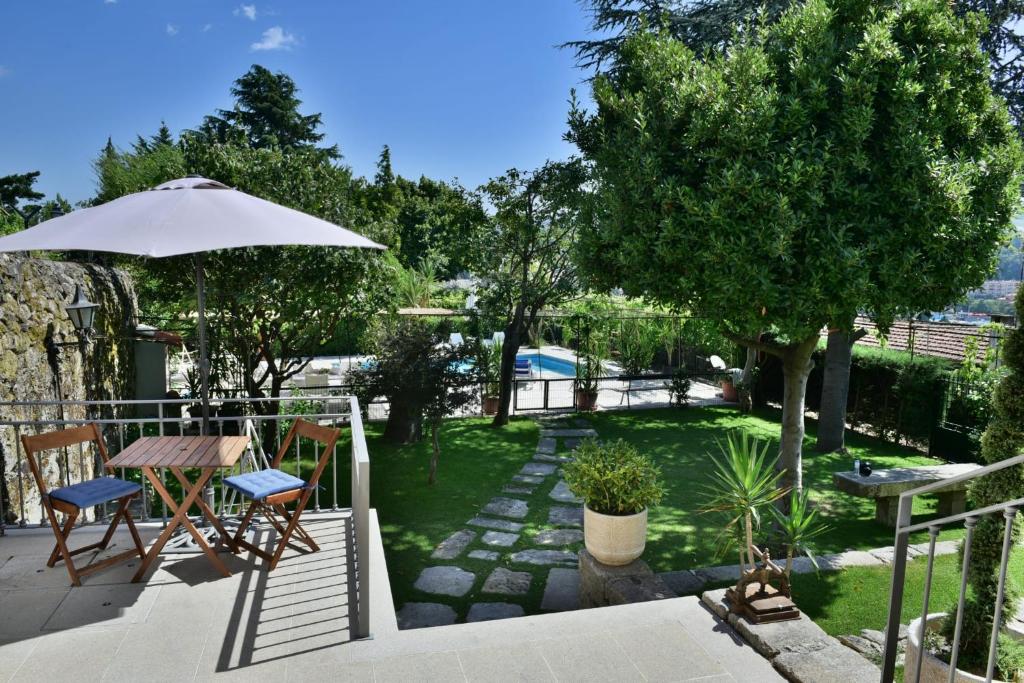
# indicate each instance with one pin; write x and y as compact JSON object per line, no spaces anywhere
{"x":899,"y":397}
{"x":432,"y":219}
{"x":744,"y":481}
{"x":614,"y":478}
{"x":638,"y":342}
{"x":266,"y":116}
{"x":488,"y":359}
{"x":679,"y":387}
{"x":415,"y":287}
{"x":845,"y":159}
{"x":1003,"y":439}
{"x":797,"y":528}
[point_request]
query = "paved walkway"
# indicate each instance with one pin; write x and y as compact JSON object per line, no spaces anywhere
{"x":524,"y":540}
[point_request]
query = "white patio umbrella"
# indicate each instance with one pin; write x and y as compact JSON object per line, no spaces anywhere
{"x":185,"y":216}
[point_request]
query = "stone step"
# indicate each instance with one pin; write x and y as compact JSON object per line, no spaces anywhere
{"x":562,"y":590}
{"x":424,"y":614}
{"x":562,"y":494}
{"x":500,"y":538}
{"x":501,"y":506}
{"x":544,"y":557}
{"x":451,"y":547}
{"x":583,"y":433}
{"x":489,"y":611}
{"x":499,"y":524}
{"x":504,"y":581}
{"x":560,"y":515}
{"x":443,"y":580}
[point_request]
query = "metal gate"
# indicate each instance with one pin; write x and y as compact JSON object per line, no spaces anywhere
{"x":543,"y":394}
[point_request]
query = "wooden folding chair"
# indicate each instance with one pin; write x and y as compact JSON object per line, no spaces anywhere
{"x":72,"y":500}
{"x":271,"y":489}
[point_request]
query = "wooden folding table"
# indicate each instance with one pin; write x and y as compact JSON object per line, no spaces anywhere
{"x":207,"y":454}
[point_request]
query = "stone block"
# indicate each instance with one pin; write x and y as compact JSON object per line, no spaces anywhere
{"x":501,"y":506}
{"x":834,"y":662}
{"x":499,"y":524}
{"x":451,"y":547}
{"x":602,"y":585}
{"x":558,"y":537}
{"x":546,"y":445}
{"x":499,"y":538}
{"x":565,"y":516}
{"x":424,"y":614}
{"x":538,"y":469}
{"x":797,"y":636}
{"x":729,"y":572}
{"x":452,"y":581}
{"x":489,"y":611}
{"x":488,"y":555}
{"x":562,"y":494}
{"x":562,"y":590}
{"x":683,"y":582}
{"x":544,"y":557}
{"x":507,"y":582}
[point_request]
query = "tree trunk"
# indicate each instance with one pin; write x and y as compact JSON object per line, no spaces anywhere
{"x":796,"y":366}
{"x":746,"y":391}
{"x":509,"y":349}
{"x":835,"y":389}
{"x":432,"y":477}
{"x":405,"y":422}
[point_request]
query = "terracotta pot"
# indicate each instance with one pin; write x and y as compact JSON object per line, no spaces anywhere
{"x":614,"y":539}
{"x":933,"y":669}
{"x":585,"y":400}
{"x":729,"y":392}
{"x":491,"y":405}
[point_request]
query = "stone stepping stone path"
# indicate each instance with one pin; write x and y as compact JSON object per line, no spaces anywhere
{"x":507,"y":582}
{"x":489,"y":611}
{"x":489,"y":555}
{"x":538,"y":469}
{"x":562,"y":591}
{"x":506,"y":507}
{"x":424,"y":614}
{"x":545,"y":555}
{"x":544,"y":457}
{"x":451,"y":547}
{"x":560,"y":515}
{"x":500,"y":538}
{"x":562,"y":494}
{"x":453,"y":581}
{"x":558,"y":537}
{"x":499,"y":524}
{"x":583,"y":433}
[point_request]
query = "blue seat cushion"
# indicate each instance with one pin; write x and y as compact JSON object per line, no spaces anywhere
{"x":95,"y":491}
{"x":262,"y":483}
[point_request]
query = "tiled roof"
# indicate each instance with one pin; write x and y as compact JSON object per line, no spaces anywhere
{"x":944,"y":340}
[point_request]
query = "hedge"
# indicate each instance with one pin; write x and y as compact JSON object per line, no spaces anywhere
{"x":895,"y":396}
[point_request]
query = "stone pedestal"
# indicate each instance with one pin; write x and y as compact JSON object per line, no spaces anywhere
{"x":602,"y":585}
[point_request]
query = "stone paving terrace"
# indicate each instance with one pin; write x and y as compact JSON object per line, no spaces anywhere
{"x":186,"y":623}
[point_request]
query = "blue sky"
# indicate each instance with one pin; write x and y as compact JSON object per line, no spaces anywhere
{"x":457,"y":88}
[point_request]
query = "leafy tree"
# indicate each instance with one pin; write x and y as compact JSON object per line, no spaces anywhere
{"x":715,"y":25}
{"x":422,"y":376}
{"x":527,"y":252}
{"x":270,"y":308}
{"x":266,"y":114}
{"x":1003,"y":439}
{"x":846,"y":158}
{"x":709,"y":26}
{"x":434,"y":220}
{"x":13,"y":189}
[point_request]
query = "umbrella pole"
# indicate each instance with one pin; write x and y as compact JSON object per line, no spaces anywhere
{"x":204,"y":362}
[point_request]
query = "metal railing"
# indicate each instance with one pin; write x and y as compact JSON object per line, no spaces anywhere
{"x":905,"y":527}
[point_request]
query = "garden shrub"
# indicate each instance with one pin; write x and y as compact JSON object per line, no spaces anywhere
{"x":614,"y":478}
{"x":898,"y":396}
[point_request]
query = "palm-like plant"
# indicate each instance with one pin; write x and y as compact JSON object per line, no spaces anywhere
{"x":798,"y":529}
{"x":744,"y":481}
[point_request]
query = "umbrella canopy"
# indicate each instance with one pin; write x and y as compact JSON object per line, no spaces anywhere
{"x":184,"y":216}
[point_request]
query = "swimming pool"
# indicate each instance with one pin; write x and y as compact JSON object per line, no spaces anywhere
{"x":548,"y":367}
{"x":542,"y":365}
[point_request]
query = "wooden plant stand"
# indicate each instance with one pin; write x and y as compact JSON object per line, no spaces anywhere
{"x":762,"y":594}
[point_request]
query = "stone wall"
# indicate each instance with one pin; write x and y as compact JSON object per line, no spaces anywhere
{"x":33,"y":293}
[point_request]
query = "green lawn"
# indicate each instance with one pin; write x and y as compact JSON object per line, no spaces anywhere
{"x":680,"y":537}
{"x":477,"y":460}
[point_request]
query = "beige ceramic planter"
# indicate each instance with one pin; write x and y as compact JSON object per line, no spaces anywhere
{"x":614,"y":539}
{"x":933,"y":669}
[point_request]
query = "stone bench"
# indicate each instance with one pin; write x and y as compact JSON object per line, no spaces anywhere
{"x":885,"y":486}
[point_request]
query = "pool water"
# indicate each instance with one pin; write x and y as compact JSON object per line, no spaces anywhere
{"x":542,"y":365}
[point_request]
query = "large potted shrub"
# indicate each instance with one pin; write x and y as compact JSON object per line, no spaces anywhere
{"x":489,"y":356}
{"x":588,"y":373}
{"x":617,"y":485}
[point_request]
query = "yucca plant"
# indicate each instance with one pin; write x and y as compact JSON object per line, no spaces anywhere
{"x":743,"y":482}
{"x":798,"y":529}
